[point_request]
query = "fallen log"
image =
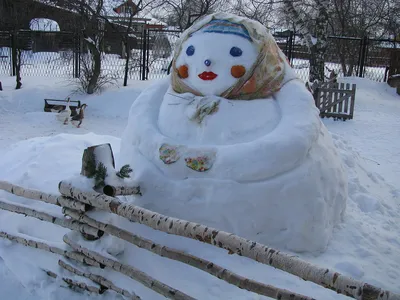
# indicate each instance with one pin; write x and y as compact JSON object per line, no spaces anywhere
{"x":199,"y":263}
{"x":99,"y":280}
{"x":137,"y":275}
{"x":76,"y":284}
{"x":52,"y":249}
{"x":233,"y":243}
{"x":113,"y":191}
{"x":44,"y":197}
{"x":75,"y":256}
{"x":66,"y":223}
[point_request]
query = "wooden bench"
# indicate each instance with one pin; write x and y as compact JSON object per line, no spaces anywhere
{"x":335,"y":100}
{"x":55,"y":104}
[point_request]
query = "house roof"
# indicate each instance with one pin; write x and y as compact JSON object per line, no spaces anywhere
{"x":112,"y":5}
{"x":129,"y":2}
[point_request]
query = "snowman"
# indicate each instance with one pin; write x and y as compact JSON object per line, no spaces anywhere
{"x":232,"y":139}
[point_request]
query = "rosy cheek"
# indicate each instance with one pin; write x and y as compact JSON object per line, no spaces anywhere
{"x":238,"y":71}
{"x":183,"y":72}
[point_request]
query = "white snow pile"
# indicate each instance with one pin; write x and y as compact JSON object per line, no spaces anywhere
{"x":269,"y":171}
{"x":364,"y":246}
{"x":283,"y":188}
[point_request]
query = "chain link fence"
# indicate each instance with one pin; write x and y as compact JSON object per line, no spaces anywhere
{"x":63,"y":54}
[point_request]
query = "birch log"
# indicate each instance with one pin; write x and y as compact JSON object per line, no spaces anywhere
{"x":139,"y":276}
{"x":43,"y":246}
{"x":76,"y":284}
{"x":99,"y":280}
{"x":199,"y":263}
{"x":113,"y":191}
{"x":44,"y":197}
{"x":234,"y":244}
{"x":66,"y":223}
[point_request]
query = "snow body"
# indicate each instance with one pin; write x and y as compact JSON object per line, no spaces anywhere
{"x":264,"y":169}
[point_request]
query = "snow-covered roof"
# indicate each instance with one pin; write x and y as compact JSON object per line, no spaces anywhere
{"x":109,"y":6}
{"x":44,"y":25}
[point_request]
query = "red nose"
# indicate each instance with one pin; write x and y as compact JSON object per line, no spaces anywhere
{"x":208,"y":76}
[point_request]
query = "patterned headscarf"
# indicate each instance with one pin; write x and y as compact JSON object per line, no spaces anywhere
{"x":266,"y":75}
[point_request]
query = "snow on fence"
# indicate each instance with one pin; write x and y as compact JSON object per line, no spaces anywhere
{"x":77,"y":201}
{"x":335,"y":100}
{"x":57,"y":54}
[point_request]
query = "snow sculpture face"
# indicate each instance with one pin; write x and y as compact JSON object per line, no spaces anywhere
{"x":212,"y":62}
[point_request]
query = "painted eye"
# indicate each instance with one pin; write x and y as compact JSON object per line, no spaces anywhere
{"x":190,"y":50}
{"x":235,"y":51}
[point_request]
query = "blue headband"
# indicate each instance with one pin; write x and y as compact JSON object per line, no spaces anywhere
{"x":225,"y":27}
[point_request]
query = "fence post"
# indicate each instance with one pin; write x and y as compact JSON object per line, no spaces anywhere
{"x":144,"y":54}
{"x":13,"y":53}
{"x":77,"y":56}
{"x":364,"y":45}
{"x":289,"y":53}
{"x":148,"y":54}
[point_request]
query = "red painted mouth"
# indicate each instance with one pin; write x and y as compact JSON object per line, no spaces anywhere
{"x":208,"y":76}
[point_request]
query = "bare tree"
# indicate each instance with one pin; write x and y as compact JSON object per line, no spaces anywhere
{"x":91,"y":25}
{"x":98,"y":17}
{"x":19,"y":13}
{"x":311,"y":19}
{"x":356,"y":18}
{"x":392,"y":20}
{"x":125,"y":26}
{"x":259,"y":10}
{"x":183,"y":13}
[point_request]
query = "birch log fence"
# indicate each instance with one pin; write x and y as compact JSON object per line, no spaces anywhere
{"x":79,"y":261}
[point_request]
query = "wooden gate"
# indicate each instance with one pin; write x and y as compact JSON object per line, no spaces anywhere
{"x":335,"y":100}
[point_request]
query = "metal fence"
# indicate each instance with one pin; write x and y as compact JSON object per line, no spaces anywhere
{"x":347,"y":56}
{"x":62,"y":54}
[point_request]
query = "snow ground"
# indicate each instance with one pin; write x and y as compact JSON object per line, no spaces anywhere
{"x":37,"y":152}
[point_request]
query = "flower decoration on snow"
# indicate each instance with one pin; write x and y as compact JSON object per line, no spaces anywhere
{"x":169,"y":153}
{"x":200,"y":163}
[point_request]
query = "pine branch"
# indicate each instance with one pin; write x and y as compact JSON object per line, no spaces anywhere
{"x":90,"y":166}
{"x":100,"y":175}
{"x":124,"y":172}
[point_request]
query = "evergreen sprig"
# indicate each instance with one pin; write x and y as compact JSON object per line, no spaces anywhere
{"x":124,"y":171}
{"x":100,"y":175}
{"x":90,"y":167}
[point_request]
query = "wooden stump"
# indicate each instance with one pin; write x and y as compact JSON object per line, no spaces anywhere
{"x":93,"y":156}
{"x":96,"y":159}
{"x":394,"y":81}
